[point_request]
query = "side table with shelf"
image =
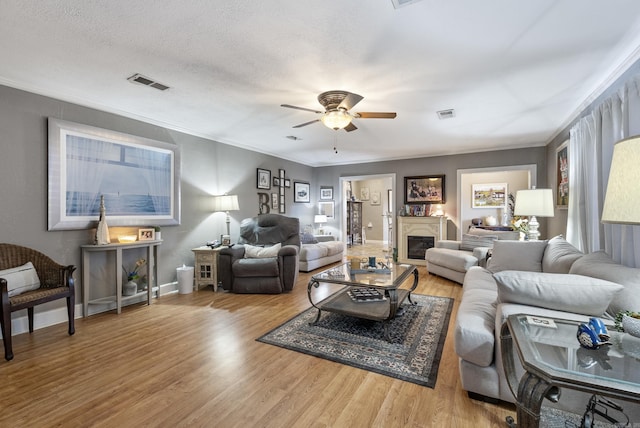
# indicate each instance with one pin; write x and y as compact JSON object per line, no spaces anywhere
{"x":206,"y":272}
{"x":152,"y":256}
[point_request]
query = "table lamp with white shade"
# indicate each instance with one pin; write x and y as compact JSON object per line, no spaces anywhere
{"x":534,"y":203}
{"x":226,"y":203}
{"x":320,"y":219}
{"x":622,"y":200}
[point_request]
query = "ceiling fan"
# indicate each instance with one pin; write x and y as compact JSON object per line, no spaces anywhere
{"x":337,"y":115}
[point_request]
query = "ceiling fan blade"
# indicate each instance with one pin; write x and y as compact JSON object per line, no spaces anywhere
{"x":307,"y":123}
{"x":301,"y":108}
{"x":350,"y":127}
{"x":350,"y":100}
{"x":374,"y":115}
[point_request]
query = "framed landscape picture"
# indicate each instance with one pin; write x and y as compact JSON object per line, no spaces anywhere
{"x":489,"y":195}
{"x":425,"y":189}
{"x":562,"y":176}
{"x":326,"y":193}
{"x":138,"y":177}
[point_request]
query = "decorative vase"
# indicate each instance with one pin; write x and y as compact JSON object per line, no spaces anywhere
{"x":130,"y":288}
{"x":102,"y":233}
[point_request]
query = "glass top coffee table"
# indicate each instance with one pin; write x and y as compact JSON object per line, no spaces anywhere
{"x":374,"y":294}
{"x":553,"y":359}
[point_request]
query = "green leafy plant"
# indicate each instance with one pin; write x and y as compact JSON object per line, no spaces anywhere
{"x":133,"y":274}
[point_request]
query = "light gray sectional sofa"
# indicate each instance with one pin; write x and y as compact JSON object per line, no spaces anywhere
{"x":452,"y":259}
{"x":543,"y":278}
{"x":319,"y":250}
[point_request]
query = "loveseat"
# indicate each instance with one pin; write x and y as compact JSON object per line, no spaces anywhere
{"x":544,"y":278}
{"x":319,"y":250}
{"x":452,"y":259}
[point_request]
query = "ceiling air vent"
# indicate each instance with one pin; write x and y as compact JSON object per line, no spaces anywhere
{"x":143,"y":80}
{"x":446,"y":114}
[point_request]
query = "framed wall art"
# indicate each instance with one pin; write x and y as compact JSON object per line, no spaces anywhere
{"x":562,"y":176}
{"x":364,"y":193}
{"x":327,"y":208}
{"x":375,"y":198}
{"x":138,"y":177}
{"x":326,"y":193}
{"x":301,"y":192}
{"x":274,"y":201}
{"x":146,"y":234}
{"x":425,"y":189}
{"x":489,"y":195}
{"x":264,"y":179}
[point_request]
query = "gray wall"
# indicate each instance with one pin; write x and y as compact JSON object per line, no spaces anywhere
{"x":447,"y":165}
{"x":208,"y":168}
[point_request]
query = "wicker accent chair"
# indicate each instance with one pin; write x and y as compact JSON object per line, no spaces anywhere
{"x":56,"y":282}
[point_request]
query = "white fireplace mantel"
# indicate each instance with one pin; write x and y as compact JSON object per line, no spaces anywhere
{"x":435,"y":227}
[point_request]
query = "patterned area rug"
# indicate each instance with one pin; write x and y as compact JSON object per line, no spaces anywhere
{"x":413,"y":354}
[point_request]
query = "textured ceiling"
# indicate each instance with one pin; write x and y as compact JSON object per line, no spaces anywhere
{"x":515,"y":72}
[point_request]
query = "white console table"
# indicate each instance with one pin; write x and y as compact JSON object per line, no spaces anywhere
{"x":152,"y":272}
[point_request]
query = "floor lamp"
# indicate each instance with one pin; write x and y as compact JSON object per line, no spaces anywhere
{"x":622,"y":200}
{"x":534,"y":203}
{"x":226,"y":203}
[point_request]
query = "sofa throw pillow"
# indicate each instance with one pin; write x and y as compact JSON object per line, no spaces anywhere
{"x":600,"y":265}
{"x":562,"y":292}
{"x":253,"y":252}
{"x":21,"y":279}
{"x":307,"y":238}
{"x":517,"y":255}
{"x":559,"y":255}
{"x":470,"y":242}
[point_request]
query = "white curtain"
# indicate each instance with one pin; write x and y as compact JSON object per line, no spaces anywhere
{"x":591,"y":144}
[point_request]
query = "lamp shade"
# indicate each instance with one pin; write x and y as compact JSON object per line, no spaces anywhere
{"x":534,"y":202}
{"x":225,"y":203}
{"x":320,"y":218}
{"x":622,"y":200}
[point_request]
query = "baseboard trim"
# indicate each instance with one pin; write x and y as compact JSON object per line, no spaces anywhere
{"x":42,"y":319}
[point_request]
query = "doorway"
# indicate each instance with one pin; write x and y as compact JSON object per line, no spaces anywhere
{"x":375,"y":193}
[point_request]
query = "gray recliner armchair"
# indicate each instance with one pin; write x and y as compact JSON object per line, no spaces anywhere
{"x":269,"y":275}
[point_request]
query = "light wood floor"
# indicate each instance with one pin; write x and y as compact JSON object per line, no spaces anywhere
{"x":192,"y":360}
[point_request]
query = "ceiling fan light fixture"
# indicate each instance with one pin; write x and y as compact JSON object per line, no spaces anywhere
{"x":336,"y":119}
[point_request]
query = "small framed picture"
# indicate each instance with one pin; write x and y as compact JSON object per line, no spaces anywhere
{"x":489,"y":195}
{"x":225,"y":240}
{"x":274,"y":201}
{"x":146,"y":234}
{"x":327,"y":208}
{"x":264,"y":179}
{"x":301,"y":192}
{"x":364,"y":194}
{"x":276,"y":181}
{"x":375,"y":198}
{"x":287,"y":182}
{"x":326,"y":193}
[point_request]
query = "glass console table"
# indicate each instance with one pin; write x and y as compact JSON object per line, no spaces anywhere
{"x":553,"y":359}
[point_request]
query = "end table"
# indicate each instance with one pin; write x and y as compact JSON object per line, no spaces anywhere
{"x":206,"y":269}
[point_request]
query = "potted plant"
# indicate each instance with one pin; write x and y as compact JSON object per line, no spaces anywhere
{"x":158,"y":233}
{"x":628,"y":322}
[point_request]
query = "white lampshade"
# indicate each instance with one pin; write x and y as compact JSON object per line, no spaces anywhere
{"x":320,"y":218}
{"x":537,"y":202}
{"x":336,"y":119}
{"x":225,"y":203}
{"x":622,"y":200}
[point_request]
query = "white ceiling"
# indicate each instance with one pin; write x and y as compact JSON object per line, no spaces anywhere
{"x":515,"y":72}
